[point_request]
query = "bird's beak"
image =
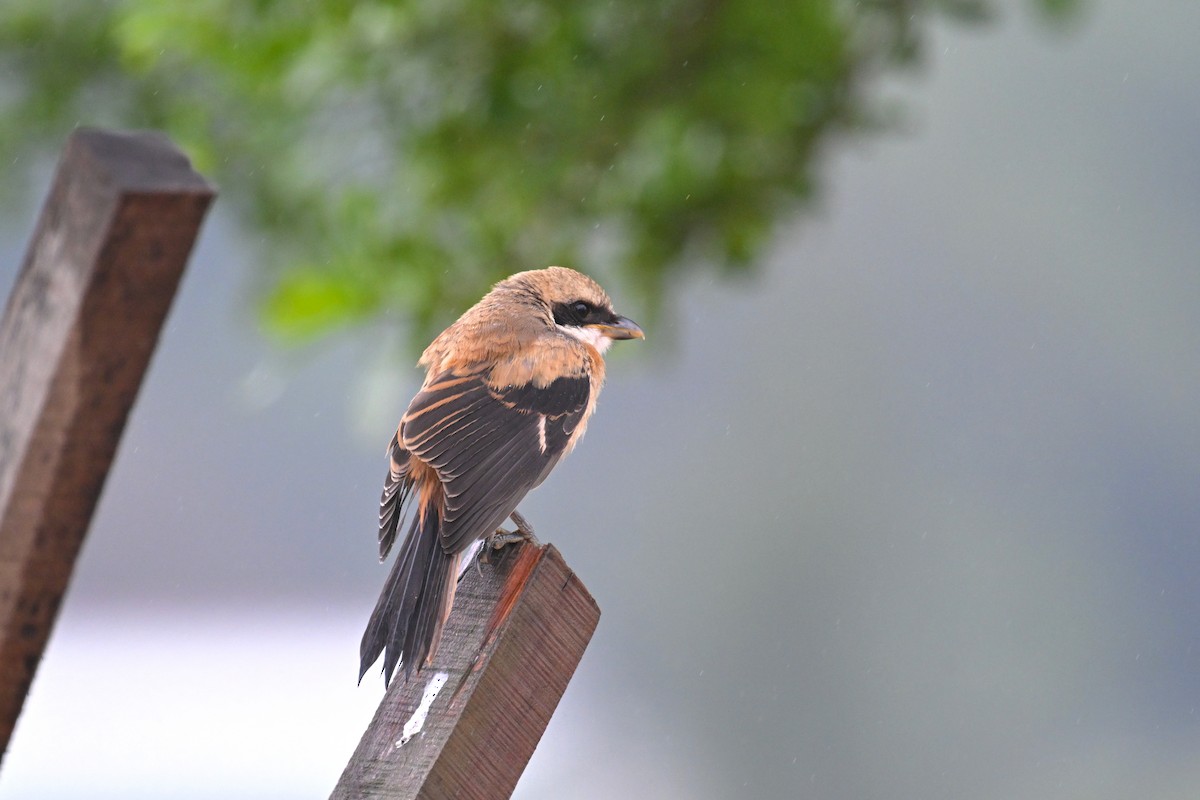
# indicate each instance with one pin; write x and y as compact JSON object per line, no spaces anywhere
{"x":620,"y":328}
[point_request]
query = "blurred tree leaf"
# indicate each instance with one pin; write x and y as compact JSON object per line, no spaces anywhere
{"x":404,"y":155}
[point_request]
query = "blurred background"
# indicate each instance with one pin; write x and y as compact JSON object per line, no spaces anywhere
{"x":899,"y":499}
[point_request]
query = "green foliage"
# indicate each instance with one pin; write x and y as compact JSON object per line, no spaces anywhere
{"x":404,"y":155}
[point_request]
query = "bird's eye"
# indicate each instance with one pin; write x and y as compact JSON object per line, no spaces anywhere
{"x":581,"y":308}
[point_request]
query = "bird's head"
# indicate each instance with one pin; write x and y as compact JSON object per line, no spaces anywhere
{"x":521,"y":309}
{"x":577,"y":305}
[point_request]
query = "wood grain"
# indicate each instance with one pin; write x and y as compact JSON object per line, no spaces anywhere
{"x":509,"y":648}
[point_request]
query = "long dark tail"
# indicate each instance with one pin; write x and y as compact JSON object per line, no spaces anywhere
{"x":407,"y":621}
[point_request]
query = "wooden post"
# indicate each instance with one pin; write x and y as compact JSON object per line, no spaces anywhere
{"x":78,"y":332}
{"x":467,"y":725}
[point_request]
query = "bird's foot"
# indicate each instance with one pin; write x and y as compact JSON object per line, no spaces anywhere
{"x":502,"y":538}
{"x":524,"y":529}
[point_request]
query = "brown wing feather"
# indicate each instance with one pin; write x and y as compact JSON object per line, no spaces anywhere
{"x":397,"y":487}
{"x":490,"y":446}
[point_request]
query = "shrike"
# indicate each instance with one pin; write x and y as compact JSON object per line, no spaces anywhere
{"x":508,"y":391}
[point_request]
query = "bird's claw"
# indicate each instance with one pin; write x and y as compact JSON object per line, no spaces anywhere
{"x":502,"y":538}
{"x":524,"y":529}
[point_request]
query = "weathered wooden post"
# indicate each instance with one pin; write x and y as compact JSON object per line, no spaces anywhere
{"x":466,"y":726}
{"x":77,"y":335}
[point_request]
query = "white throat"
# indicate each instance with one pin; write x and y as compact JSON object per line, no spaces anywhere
{"x":587,"y":335}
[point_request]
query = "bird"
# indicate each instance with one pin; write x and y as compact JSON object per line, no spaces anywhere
{"x":508,"y":391}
